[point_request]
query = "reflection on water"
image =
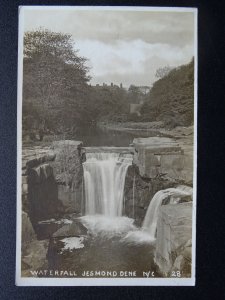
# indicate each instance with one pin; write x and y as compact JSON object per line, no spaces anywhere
{"x":94,"y":136}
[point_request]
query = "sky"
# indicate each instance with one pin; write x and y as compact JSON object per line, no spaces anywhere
{"x":122,"y":46}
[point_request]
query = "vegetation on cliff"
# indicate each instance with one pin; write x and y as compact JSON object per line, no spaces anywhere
{"x":171,"y":98}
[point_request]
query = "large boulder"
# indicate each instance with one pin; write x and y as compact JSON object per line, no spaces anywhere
{"x":68,"y":230}
{"x":68,"y":172}
{"x":43,"y":193}
{"x":163,"y":156}
{"x":174,"y":231}
{"x":158,"y":155}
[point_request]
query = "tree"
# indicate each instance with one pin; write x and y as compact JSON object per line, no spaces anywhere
{"x":162,"y":72}
{"x":171,"y":99}
{"x":53,"y":72}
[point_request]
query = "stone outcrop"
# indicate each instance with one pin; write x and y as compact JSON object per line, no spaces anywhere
{"x":68,"y":230}
{"x":173,"y":242}
{"x":42,"y":193}
{"x":160,"y":156}
{"x":68,"y":172}
{"x":52,"y":180}
{"x":33,"y":251}
{"x":35,"y":170}
{"x":139,"y":191}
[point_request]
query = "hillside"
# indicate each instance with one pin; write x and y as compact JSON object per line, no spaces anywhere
{"x":171,"y":98}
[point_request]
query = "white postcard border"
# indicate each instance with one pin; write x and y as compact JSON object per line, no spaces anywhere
{"x":27,"y":281}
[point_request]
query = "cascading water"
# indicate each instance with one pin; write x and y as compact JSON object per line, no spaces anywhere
{"x":151,"y":217}
{"x":148,"y":230}
{"x":104,"y":179}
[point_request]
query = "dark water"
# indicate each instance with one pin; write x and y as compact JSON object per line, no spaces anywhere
{"x":104,"y":255}
{"x":95,"y":136}
{"x":102,"y":252}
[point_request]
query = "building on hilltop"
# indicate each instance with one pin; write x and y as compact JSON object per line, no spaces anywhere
{"x":111,"y":86}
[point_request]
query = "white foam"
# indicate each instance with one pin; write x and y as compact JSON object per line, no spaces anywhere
{"x":72,"y":243}
{"x":138,"y":237}
{"x":107,"y":227}
{"x":54,"y":221}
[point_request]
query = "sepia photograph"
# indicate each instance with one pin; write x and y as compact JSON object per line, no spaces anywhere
{"x":106,"y":146}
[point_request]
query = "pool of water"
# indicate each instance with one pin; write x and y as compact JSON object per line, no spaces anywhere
{"x":95,"y":136}
{"x":103,"y":252}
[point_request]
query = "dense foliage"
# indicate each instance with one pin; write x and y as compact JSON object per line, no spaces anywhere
{"x":55,"y":81}
{"x":171,"y":98}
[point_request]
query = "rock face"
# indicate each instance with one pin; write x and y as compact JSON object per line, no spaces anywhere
{"x":156,"y":156}
{"x":139,"y":191}
{"x":39,"y":190}
{"x":28,"y":234}
{"x":173,"y":242}
{"x":68,"y":172}
{"x":74,"y":229}
{"x":160,"y":156}
{"x":42,"y":193}
{"x":33,"y":251}
{"x":32,"y":158}
{"x":52,"y":180}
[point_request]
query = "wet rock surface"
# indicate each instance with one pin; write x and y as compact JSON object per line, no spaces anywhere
{"x":74,"y":229}
{"x":139,"y":191}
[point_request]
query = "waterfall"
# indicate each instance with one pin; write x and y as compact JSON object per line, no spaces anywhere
{"x":151,"y":217}
{"x":104,"y":179}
